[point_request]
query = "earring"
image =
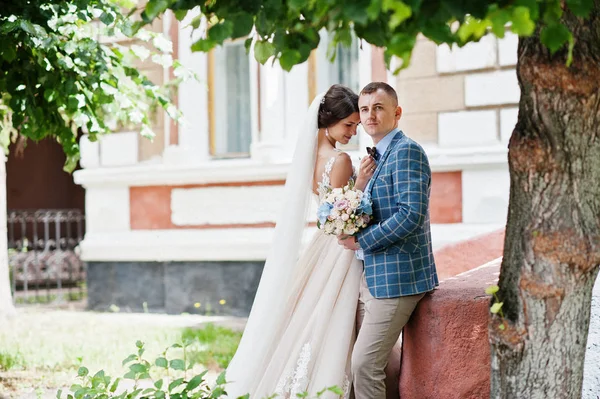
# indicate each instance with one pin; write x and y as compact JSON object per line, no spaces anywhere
{"x":326,"y":132}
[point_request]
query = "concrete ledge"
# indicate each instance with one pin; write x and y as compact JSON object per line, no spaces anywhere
{"x":463,"y":256}
{"x":446,"y":352}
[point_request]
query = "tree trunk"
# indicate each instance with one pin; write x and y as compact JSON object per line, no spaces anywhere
{"x":552,"y":246}
{"x":6,"y":303}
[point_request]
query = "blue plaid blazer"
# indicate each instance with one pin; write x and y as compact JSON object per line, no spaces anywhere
{"x":397,"y":245}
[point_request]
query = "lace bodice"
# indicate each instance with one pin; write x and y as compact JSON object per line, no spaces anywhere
{"x":324,"y":186}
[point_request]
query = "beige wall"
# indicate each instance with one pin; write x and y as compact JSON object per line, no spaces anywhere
{"x":443,"y":92}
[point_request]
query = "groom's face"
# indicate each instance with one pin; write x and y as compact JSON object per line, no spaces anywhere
{"x":379,"y":114}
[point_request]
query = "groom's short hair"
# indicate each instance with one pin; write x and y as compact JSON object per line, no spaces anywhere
{"x":374,"y":86}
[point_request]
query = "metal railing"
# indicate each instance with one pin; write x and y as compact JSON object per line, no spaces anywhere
{"x":43,"y":255}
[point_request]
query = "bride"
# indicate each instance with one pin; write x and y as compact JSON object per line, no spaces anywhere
{"x":301,"y":330}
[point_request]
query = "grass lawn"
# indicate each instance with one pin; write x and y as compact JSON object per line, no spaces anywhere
{"x":41,"y":349}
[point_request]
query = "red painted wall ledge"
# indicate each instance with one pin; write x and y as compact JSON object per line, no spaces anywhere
{"x":446,"y":354}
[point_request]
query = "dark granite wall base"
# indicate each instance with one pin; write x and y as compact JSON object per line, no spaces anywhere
{"x":174,"y":287}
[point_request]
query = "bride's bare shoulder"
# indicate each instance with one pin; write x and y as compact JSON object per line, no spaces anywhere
{"x":342,"y":170}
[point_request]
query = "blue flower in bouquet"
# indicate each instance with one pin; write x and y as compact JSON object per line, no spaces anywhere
{"x":324,"y":211}
{"x":366,"y":206}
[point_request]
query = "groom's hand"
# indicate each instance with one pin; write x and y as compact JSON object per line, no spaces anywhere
{"x":348,"y":242}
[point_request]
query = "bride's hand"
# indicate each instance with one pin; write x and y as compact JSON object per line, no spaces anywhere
{"x":365,"y":172}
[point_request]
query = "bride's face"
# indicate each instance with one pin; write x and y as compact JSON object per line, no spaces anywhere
{"x":345,"y":129}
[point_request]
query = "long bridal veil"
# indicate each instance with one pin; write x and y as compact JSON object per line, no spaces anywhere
{"x":268,"y":313}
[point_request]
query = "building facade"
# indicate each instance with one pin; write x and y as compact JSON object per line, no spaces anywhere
{"x":184,"y":223}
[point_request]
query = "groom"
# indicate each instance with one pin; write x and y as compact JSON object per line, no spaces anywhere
{"x":396,"y":248}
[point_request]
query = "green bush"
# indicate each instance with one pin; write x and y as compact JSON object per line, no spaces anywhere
{"x":166,"y":378}
{"x":163,"y":378}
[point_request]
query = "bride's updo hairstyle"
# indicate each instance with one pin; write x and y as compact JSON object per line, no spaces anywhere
{"x":338,"y":103}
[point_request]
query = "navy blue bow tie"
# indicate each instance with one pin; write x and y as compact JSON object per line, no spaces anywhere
{"x":372,"y":151}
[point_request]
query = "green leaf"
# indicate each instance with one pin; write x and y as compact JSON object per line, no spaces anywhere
{"x":343,"y":36}
{"x":297,"y":5}
{"x":9,"y":54}
{"x":196,"y":22}
{"x":521,"y":22}
{"x":221,"y":380}
{"x":130,"y":375}
{"x":155,"y":7}
{"x":263,"y":50}
{"x":532,"y":5}
{"x":177,"y":364}
{"x":262,"y":23}
{"x":289,"y":58}
{"x":555,"y":36}
{"x":58,"y":394}
{"x":552,"y":12}
{"x":242,"y":25}
{"x":180,"y":14}
{"x":218,"y":392}
{"x":139,"y":344}
{"x":203,"y":45}
{"x":248,"y":44}
{"x":220,"y":32}
{"x":7,"y":27}
{"x":401,"y":13}
{"x":472,"y":29}
{"x":115,"y":385}
{"x":107,"y":18}
{"x":162,"y":362}
{"x":27,"y":26}
{"x":138,"y":368}
{"x":355,"y":12}
{"x":128,"y":359}
{"x":492,"y":289}
{"x":581,"y":8}
{"x":71,"y":162}
{"x":499,"y":20}
{"x":496,"y":307}
{"x":174,"y":384}
{"x":159,"y":395}
{"x":158,"y":384}
{"x":194,"y":383}
{"x":374,"y":9}
{"x":82,"y":372}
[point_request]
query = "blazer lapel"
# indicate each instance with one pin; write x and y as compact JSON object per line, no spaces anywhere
{"x":399,"y":135}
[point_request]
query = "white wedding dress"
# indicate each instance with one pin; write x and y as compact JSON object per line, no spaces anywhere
{"x":301,"y":329}
{"x":313,"y":347}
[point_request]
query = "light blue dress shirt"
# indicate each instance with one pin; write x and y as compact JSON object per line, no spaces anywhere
{"x":381,"y":147}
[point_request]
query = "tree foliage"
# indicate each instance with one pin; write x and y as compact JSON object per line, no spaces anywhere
{"x":62,"y":72}
{"x":288,"y":30}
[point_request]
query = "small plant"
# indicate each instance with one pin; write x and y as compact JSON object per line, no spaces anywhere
{"x":163,"y":379}
{"x":9,"y":360}
{"x":497,"y":306}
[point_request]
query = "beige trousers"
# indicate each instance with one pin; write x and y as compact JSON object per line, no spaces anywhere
{"x":379,"y":324}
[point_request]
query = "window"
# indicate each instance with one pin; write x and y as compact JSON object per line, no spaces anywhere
{"x":229,"y":101}
{"x":343,"y":70}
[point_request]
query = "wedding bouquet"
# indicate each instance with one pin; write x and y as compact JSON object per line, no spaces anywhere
{"x":344,"y":210}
